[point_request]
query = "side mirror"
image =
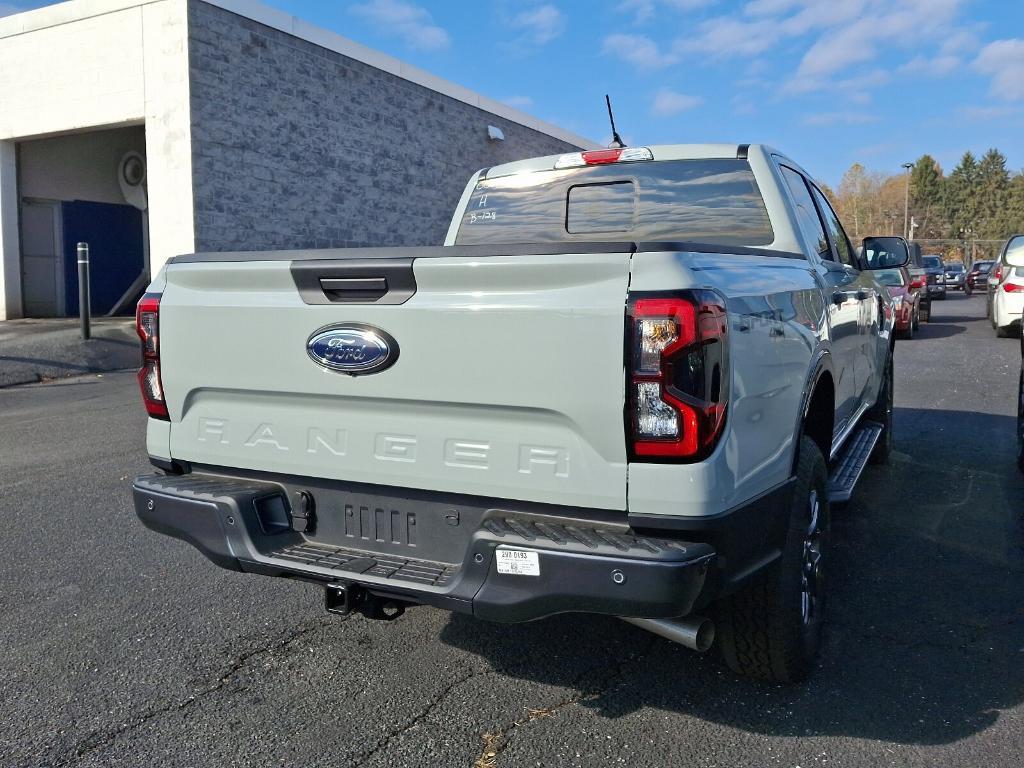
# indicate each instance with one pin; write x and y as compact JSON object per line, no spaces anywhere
{"x":1015,"y":251}
{"x":885,"y":252}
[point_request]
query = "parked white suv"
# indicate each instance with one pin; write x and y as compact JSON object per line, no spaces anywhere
{"x":1008,"y":296}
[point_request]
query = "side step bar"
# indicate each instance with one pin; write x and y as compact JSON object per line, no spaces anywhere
{"x":848,"y":469}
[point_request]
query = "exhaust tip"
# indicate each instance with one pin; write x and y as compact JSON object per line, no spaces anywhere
{"x":695,"y":632}
{"x":704,"y":636}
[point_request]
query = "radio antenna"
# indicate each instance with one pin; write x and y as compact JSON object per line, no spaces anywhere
{"x":617,"y":142}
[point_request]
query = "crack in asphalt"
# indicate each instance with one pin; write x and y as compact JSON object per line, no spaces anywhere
{"x":435,"y":701}
{"x":496,"y":743}
{"x":102,"y":739}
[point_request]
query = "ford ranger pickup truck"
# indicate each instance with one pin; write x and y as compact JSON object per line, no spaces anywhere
{"x":630,"y":383}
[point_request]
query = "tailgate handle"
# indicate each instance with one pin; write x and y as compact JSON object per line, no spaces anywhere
{"x":353,"y":281}
{"x":349,"y":288}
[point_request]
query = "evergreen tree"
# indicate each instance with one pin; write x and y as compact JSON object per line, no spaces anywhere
{"x":926,"y":193}
{"x":991,"y":196}
{"x":960,"y":200}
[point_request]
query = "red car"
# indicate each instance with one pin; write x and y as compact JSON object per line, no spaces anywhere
{"x":906,"y":299}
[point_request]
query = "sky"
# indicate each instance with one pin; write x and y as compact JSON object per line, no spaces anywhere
{"x":828,"y":82}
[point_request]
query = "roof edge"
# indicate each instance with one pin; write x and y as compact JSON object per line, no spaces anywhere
{"x":77,"y":10}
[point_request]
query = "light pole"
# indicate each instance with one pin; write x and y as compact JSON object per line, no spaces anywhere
{"x":906,"y":198}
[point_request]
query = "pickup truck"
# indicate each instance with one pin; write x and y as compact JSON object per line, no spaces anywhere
{"x":631,"y":382}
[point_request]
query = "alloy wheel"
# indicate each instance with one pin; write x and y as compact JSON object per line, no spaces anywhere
{"x":811,"y":576}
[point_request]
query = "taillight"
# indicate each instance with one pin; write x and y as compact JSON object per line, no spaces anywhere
{"x":1012,"y":287}
{"x":147,"y":325}
{"x":678,"y":375}
{"x":604,"y":157}
{"x":999,"y":273}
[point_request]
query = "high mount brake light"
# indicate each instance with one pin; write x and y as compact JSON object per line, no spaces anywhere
{"x":678,"y":375}
{"x":147,"y":326}
{"x":603,"y":157}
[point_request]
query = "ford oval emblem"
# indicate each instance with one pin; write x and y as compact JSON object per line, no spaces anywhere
{"x":352,"y":348}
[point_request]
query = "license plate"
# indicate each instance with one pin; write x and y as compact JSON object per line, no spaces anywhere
{"x":518,"y":562}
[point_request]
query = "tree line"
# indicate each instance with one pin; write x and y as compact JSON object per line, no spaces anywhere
{"x":978,"y":199}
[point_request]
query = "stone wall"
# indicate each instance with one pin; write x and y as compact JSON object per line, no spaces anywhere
{"x":298,"y":146}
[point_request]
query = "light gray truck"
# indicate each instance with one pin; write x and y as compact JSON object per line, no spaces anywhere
{"x":630,"y":383}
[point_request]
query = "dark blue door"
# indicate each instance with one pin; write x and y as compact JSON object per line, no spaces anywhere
{"x":114,"y":235}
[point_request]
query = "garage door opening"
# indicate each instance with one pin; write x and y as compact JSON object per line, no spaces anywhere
{"x":85,"y":187}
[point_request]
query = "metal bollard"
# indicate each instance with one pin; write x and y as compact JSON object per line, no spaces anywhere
{"x":83,"y":288}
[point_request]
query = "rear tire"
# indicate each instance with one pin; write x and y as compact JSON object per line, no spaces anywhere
{"x":772,"y":629}
{"x":881,"y":413}
{"x":916,"y":322}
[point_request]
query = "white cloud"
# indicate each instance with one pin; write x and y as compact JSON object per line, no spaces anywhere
{"x":837,"y":37}
{"x":876,"y":30}
{"x":932,"y":67}
{"x":541,"y":25}
{"x":726,"y":37}
{"x":638,"y":50}
{"x":411,"y":23}
{"x":645,"y":10}
{"x":1003,"y":61}
{"x":668,"y":102}
{"x":519,"y":102}
{"x":839,"y":118}
{"x":769,"y":7}
{"x":989,"y":113}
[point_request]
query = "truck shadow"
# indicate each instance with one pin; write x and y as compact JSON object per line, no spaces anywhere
{"x":925,"y":638}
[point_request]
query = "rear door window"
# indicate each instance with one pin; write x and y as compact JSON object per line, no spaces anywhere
{"x":844,"y":251}
{"x":806,"y":213}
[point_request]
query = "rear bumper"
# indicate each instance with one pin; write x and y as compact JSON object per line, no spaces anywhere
{"x":441,"y":552}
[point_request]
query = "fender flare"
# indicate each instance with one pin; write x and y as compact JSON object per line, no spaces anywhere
{"x":821,"y":363}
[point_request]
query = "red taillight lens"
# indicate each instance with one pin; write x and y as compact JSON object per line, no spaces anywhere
{"x":999,"y":273}
{"x":1012,"y":287}
{"x":147,"y":325}
{"x":678,"y":375}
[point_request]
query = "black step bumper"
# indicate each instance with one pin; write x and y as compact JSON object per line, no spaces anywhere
{"x":421,"y":548}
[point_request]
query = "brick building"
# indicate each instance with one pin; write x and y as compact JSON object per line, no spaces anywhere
{"x":154,"y":128}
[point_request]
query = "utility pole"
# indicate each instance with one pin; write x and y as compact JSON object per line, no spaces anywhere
{"x":906,"y":198}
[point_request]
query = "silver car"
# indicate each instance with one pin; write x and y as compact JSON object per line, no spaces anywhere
{"x":956,"y":275}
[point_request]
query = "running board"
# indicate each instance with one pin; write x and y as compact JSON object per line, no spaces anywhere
{"x":850,"y":465}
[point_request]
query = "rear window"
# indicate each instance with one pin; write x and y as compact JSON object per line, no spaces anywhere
{"x":707,"y":201}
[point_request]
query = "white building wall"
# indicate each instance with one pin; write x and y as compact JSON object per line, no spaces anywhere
{"x":168,"y":131}
{"x":93,"y":64}
{"x":10,"y":261}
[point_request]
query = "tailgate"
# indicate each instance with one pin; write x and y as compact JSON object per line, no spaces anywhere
{"x":508,"y":382}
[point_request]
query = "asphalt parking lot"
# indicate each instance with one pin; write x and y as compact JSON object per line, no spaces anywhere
{"x":125,"y":648}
